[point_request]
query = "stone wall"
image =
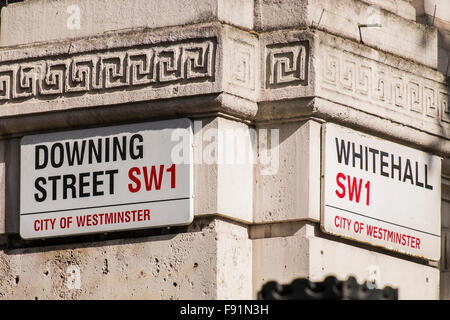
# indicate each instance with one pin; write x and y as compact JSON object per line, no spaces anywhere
{"x":230,"y":66}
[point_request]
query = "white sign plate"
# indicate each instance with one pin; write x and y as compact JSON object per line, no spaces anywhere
{"x":106,"y":179}
{"x":381,"y":193}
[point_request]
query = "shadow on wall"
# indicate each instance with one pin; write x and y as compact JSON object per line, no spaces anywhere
{"x":435,"y":13}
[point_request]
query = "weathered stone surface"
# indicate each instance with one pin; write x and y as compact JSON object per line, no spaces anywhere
{"x":234,"y":261}
{"x":280,"y":253}
{"x":209,"y":261}
{"x":300,"y":74}
{"x":241,"y":71}
{"x":287,"y":61}
{"x":232,"y":67}
{"x":224,"y":159}
{"x":305,"y":254}
{"x":291,"y":189}
{"x":47,"y":20}
{"x":213,"y":259}
{"x":56,"y":20}
{"x":427,"y":7}
{"x":214,"y":68}
{"x":342,"y":17}
{"x":413,"y":280}
{"x":404,"y":92}
{"x":168,"y":65}
{"x":402,"y":8}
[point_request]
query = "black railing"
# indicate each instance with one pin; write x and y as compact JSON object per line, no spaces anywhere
{"x":329,"y":289}
{"x":4,"y":3}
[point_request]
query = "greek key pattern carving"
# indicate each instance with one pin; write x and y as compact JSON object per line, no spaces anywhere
{"x":383,"y":85}
{"x":287,"y":64}
{"x":151,"y":66}
{"x":443,"y":103}
{"x":242,"y":65}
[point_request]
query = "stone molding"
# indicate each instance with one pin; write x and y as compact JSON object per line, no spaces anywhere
{"x":151,"y":66}
{"x":385,"y":90}
{"x":246,"y":72}
{"x":287,"y":64}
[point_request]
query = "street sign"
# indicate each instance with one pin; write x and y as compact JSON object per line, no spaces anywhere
{"x":380,"y":192}
{"x":106,"y":179}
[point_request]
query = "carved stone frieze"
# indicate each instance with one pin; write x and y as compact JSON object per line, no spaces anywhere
{"x":149,"y":66}
{"x":287,"y":64}
{"x":220,"y":69}
{"x":348,"y":75}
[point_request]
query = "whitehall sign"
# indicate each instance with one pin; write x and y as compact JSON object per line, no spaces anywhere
{"x":382,"y":193}
{"x":106,"y":179}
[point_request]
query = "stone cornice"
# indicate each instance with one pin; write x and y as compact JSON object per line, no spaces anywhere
{"x":199,"y":69}
{"x":409,"y":93}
